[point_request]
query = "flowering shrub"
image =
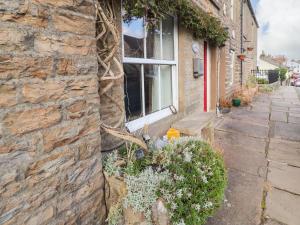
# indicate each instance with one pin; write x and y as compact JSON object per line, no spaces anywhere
{"x":142,"y":190}
{"x":198,"y":182}
{"x":187,"y":174}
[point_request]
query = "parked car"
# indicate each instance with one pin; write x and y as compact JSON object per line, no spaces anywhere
{"x":294,"y":77}
{"x":297,"y":83}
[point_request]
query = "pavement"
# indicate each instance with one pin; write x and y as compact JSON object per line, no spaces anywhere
{"x":261,"y":146}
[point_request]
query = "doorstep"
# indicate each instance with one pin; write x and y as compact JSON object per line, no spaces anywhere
{"x":199,"y":124}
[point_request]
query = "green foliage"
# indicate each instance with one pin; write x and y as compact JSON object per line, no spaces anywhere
{"x":266,"y":88}
{"x":262,"y":81}
{"x":193,"y":18}
{"x":282,"y":73}
{"x":142,"y":190}
{"x":187,"y":174}
{"x":198,"y":184}
{"x":109,"y":164}
{"x":251,"y":82}
{"x":115,"y":215}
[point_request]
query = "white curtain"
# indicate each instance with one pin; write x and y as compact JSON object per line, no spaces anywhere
{"x":166,"y":85}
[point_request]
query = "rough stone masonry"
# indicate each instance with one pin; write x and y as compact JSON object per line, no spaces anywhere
{"x":50,"y":154}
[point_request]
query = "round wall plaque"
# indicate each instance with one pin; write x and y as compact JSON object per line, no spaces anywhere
{"x":196,"y":48}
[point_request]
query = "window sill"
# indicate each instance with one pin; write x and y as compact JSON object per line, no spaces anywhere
{"x":149,"y":119}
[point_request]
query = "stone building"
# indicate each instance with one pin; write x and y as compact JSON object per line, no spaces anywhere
{"x":242,"y":26}
{"x":50,"y":108}
{"x":50,"y":154}
{"x":159,"y":67}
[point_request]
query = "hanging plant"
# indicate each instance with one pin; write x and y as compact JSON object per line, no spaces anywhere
{"x":242,"y":57}
{"x":193,"y":18}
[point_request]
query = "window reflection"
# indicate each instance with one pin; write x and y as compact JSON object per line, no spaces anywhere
{"x":153,"y":43}
{"x":134,"y":34}
{"x":133,"y":91}
{"x":166,"y":85}
{"x":168,"y":38}
{"x":148,"y":87}
{"x":151,"y":88}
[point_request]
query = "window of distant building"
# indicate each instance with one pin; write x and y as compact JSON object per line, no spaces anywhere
{"x":232,"y":62}
{"x":150,"y":65}
{"x":232,"y":9}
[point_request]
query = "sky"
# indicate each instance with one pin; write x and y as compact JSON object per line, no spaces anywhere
{"x":279,"y":22}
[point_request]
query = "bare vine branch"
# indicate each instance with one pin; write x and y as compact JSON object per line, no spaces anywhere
{"x":108,"y":38}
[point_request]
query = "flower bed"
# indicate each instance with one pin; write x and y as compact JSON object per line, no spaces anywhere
{"x":182,"y":183}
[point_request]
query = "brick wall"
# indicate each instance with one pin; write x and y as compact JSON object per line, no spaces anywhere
{"x":50,"y":154}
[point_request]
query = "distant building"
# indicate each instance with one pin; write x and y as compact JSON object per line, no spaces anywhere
{"x":294,"y":65}
{"x":267,"y":62}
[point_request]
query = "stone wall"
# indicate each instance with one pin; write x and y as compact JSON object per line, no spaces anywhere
{"x":250,"y":31}
{"x":191,"y":90}
{"x":50,"y":154}
{"x":234,"y":43}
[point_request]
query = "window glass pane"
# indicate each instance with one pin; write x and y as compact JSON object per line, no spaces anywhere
{"x":153,"y":43}
{"x":151,"y":88}
{"x":232,"y":55}
{"x":166,"y":85}
{"x":134,"y":34}
{"x":168,"y":38}
{"x":133,"y":91}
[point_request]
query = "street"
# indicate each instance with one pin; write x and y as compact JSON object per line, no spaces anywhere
{"x":261,"y":146}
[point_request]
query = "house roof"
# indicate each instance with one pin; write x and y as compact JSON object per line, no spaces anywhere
{"x":252,"y":12}
{"x":269,"y":60}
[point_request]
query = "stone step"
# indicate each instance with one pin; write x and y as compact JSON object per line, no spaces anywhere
{"x":198,"y":124}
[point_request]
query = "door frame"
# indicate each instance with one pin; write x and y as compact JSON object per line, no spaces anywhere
{"x":207,"y":78}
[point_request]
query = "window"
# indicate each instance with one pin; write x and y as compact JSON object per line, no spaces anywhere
{"x":150,"y":67}
{"x":232,"y":62}
{"x":224,"y":9}
{"x":232,"y":9}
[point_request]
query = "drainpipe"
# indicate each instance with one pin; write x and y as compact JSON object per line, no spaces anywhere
{"x":242,"y":39}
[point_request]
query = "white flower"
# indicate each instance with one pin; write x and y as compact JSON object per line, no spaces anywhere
{"x":189,"y":194}
{"x":208,"y":205}
{"x":197,"y":207}
{"x":210,"y":173}
{"x":179,"y":193}
{"x":188,"y":156}
{"x":178,"y":178}
{"x":181,"y":222}
{"x":204,"y":179}
{"x":173,"y":205}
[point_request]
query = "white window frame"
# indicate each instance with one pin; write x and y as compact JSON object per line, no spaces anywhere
{"x":232,"y":62}
{"x":162,"y":113}
{"x":232,"y":10}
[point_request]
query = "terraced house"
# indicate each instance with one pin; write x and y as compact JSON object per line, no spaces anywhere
{"x":168,"y":69}
{"x":58,"y":101}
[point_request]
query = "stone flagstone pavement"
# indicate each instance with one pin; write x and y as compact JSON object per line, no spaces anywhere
{"x":261,"y":146}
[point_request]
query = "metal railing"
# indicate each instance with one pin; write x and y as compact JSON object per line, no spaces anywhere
{"x":271,"y":76}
